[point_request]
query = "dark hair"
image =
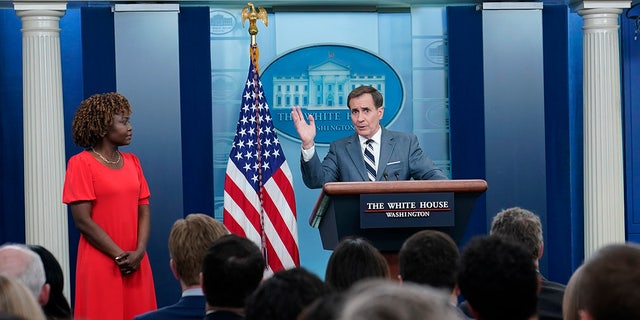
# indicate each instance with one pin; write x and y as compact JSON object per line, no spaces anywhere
{"x":430,"y":257}
{"x":94,"y":117}
{"x":520,"y":225}
{"x":354,"y":259}
{"x":327,"y":307}
{"x":375,"y":94}
{"x":285,"y":295}
{"x":608,"y":285}
{"x":231,"y":270}
{"x":57,"y":307}
{"x":498,"y":279}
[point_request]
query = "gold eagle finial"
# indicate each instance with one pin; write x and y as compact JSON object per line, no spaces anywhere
{"x":250,"y":12}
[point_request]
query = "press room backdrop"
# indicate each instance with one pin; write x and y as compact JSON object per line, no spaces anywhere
{"x":183,"y":69}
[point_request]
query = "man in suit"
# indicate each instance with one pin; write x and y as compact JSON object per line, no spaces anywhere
{"x":231,"y":270}
{"x":393,"y":155}
{"x":523,"y":226}
{"x":189,"y":240}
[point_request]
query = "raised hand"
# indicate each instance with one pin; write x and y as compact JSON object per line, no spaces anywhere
{"x":306,"y":131}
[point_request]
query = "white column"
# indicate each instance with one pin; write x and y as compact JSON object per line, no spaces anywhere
{"x":604,"y":210}
{"x":44,"y":153}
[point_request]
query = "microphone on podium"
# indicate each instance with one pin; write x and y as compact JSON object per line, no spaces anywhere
{"x":386,"y":176}
{"x":397,"y":175}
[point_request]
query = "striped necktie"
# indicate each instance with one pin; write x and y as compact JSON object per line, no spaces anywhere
{"x":369,"y":160}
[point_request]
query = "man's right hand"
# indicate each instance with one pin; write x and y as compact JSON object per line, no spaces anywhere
{"x":306,"y":131}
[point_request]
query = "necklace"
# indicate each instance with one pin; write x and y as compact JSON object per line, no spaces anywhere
{"x":105,"y":159}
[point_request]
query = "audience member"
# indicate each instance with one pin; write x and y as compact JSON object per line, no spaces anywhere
{"x":354,"y":259}
{"x":523,"y":226}
{"x":381,"y":299}
{"x":327,"y":307}
{"x":431,"y":258}
{"x":19,"y":261}
{"x":231,"y":270}
{"x":16,"y":299}
{"x":608,"y":284}
{"x":569,"y":302}
{"x":498,"y":279}
{"x":285,"y":295}
{"x":57,"y":308}
{"x":189,"y":240}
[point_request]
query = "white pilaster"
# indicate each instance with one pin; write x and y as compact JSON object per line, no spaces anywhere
{"x":44,"y":150}
{"x":604,"y":209}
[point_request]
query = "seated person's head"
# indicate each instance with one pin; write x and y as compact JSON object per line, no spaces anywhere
{"x":19,"y":261}
{"x":57,"y":306}
{"x":285,"y":295}
{"x":231,"y":270}
{"x":327,"y":307}
{"x":522,"y":226}
{"x":608,"y":284}
{"x":382,"y":299}
{"x":189,"y":240}
{"x":570,"y":309}
{"x":430,"y":257}
{"x":16,"y":299}
{"x":499,"y":279}
{"x":354,"y":259}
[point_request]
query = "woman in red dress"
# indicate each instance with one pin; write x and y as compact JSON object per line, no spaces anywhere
{"x":109,"y":200}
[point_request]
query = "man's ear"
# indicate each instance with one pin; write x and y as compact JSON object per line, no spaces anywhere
{"x":584,"y":315}
{"x":172,"y":266}
{"x":43,"y":299}
{"x":456,"y":290}
{"x":541,"y":250}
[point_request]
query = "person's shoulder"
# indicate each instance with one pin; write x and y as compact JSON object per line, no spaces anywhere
{"x":81,"y":157}
{"x":551,"y":286}
{"x":392,"y":134}
{"x":345,"y":140}
{"x":130,"y":156}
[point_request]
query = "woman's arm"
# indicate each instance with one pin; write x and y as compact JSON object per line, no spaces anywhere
{"x":97,"y":237}
{"x":144,"y":225}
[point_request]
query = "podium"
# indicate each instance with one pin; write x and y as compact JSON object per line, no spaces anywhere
{"x":342,"y":205}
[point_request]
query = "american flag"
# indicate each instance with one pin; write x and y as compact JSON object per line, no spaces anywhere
{"x":258,"y":192}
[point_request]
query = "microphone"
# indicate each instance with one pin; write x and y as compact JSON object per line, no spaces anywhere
{"x":397,"y":175}
{"x":386,"y":176}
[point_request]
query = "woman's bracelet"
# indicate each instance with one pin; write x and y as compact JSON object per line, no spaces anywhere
{"x":120,"y":257}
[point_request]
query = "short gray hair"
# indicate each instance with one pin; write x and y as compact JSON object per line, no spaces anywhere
{"x":32,"y":274}
{"x":383,"y":299}
{"x":519,"y":225}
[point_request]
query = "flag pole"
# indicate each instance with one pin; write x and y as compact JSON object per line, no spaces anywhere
{"x":250,"y":12}
{"x":259,"y":202}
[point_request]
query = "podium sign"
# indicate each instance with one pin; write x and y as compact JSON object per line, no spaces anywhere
{"x":407,"y":210}
{"x":340,"y":210}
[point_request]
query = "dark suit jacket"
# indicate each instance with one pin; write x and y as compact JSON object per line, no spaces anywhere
{"x":223,"y":315}
{"x":401,"y":158}
{"x":187,"y":308}
{"x":549,"y":301}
